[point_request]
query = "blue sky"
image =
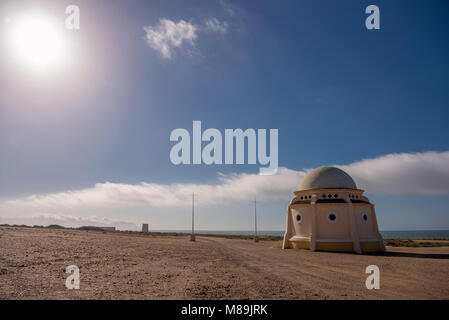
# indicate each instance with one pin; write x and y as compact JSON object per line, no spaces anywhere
{"x":337,"y":92}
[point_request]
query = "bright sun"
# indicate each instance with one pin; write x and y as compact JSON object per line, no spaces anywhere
{"x":37,"y":42}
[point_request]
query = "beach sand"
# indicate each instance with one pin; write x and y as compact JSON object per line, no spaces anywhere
{"x":131,"y":266}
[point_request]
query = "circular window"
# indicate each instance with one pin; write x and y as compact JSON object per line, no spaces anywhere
{"x":332,"y":217}
{"x":298,"y":217}
{"x":365,"y":216}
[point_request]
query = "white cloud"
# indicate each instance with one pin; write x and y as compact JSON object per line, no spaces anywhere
{"x":169,"y":34}
{"x":403,"y":173}
{"x":228,"y":7}
{"x":231,"y":187}
{"x":407,"y":173}
{"x":215,"y":25}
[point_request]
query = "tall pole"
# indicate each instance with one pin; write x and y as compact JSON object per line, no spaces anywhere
{"x":192,"y":236}
{"x":256,"y":238}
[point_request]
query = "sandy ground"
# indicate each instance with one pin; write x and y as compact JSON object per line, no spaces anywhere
{"x":120,"y":266}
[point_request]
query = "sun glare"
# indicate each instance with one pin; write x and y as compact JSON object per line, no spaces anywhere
{"x":37,"y":42}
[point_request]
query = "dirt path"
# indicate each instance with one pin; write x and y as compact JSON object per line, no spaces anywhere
{"x":121,"y":266}
{"x":406,"y":273}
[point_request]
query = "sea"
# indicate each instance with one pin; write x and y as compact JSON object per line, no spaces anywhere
{"x":398,"y":234}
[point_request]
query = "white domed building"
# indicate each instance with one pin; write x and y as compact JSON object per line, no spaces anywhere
{"x":329,"y":213}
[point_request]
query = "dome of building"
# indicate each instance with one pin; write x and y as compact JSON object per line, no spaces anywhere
{"x":327,"y":178}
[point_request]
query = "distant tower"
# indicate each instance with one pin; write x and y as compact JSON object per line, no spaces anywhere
{"x":145,"y":227}
{"x":192,"y":236}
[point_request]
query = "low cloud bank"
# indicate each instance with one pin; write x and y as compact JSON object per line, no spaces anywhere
{"x":231,"y":187}
{"x":406,"y":173}
{"x":403,"y":173}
